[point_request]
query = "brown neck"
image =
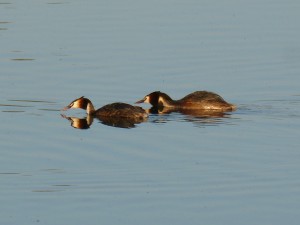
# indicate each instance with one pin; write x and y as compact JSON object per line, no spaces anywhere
{"x":90,"y":108}
{"x":166,"y":101}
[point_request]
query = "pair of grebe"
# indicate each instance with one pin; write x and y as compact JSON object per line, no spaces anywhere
{"x":199,"y":100}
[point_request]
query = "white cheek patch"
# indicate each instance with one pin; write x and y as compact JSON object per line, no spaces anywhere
{"x":147,"y":99}
{"x":75,"y":105}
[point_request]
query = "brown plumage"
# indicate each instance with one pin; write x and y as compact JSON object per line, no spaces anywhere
{"x":117,"y":109}
{"x":201,"y":100}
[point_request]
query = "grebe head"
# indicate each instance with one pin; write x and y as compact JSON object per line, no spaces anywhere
{"x":156,"y":99}
{"x":81,"y":103}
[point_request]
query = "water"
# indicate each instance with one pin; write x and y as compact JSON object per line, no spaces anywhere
{"x":242,"y":168}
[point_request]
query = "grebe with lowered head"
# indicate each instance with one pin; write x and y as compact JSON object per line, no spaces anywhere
{"x":198,"y":100}
{"x":117,"y":109}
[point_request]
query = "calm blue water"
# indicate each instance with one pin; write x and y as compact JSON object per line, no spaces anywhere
{"x":242,"y":168}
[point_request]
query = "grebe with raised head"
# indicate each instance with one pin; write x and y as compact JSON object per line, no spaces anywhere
{"x":117,"y":109}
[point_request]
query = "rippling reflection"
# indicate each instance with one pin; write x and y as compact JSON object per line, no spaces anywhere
{"x":191,"y":112}
{"x":22,"y":59}
{"x":26,"y":104}
{"x":86,"y":122}
{"x":80,"y":123}
{"x":161,"y":115}
{"x":198,"y":117}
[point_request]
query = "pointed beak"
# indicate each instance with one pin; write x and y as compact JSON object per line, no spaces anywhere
{"x":140,"y":101}
{"x":66,"y":108}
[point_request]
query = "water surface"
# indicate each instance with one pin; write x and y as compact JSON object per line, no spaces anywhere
{"x":239,"y":168}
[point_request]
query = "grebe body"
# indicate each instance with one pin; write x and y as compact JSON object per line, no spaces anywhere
{"x":198,"y":100}
{"x":117,"y":109}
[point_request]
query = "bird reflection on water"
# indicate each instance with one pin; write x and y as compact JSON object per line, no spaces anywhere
{"x":198,"y":117}
{"x":159,"y":115}
{"x":86,"y":122}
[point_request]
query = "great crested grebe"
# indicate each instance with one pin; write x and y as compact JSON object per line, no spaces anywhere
{"x":198,"y":100}
{"x":117,"y":109}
